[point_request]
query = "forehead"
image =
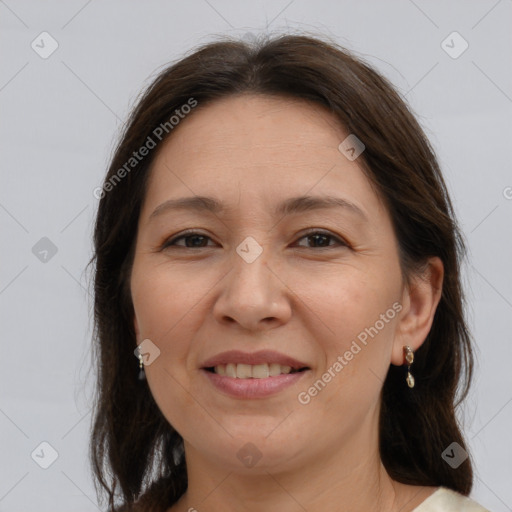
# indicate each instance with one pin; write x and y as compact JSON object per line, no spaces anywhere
{"x":260,"y":147}
{"x":260,"y":125}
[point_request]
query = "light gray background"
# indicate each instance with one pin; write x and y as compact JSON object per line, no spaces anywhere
{"x":60,"y":117}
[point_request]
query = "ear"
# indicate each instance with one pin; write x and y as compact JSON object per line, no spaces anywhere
{"x":419,"y":303}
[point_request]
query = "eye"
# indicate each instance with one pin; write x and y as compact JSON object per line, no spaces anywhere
{"x":195,"y":239}
{"x":322,"y":238}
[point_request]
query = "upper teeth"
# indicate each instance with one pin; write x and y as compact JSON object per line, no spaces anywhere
{"x":247,"y":371}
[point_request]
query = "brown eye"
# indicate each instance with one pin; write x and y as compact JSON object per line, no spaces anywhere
{"x":322,"y":238}
{"x":192,"y":240}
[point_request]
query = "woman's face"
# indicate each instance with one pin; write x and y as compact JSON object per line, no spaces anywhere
{"x":252,"y":280}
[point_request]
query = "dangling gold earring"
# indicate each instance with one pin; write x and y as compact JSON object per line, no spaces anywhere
{"x":409,"y":357}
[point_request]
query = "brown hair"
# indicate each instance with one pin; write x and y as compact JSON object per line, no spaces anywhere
{"x":132,"y":445}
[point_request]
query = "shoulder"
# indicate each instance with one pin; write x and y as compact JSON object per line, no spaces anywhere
{"x":447,"y":500}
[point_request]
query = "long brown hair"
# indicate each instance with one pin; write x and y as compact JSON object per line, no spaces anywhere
{"x":132,"y":446}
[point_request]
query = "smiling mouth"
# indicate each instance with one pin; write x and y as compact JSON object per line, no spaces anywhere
{"x":256,"y":371}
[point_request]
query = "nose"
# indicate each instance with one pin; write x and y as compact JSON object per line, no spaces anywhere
{"x":254,"y":295}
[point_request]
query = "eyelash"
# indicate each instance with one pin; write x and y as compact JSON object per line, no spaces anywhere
{"x":189,"y":234}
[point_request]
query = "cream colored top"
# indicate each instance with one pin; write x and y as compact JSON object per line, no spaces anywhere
{"x":447,"y":500}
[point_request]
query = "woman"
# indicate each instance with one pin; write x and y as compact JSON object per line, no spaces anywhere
{"x":276,"y":246}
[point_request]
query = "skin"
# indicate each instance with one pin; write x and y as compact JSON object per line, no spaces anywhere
{"x":299,"y":298}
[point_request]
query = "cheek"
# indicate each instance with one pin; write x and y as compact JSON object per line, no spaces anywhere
{"x":355,"y":320}
{"x":161,"y":312}
{"x":348,"y":301}
{"x":357,"y":351}
{"x":161,"y":299}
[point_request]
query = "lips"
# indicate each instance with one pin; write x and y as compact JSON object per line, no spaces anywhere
{"x":262,"y":357}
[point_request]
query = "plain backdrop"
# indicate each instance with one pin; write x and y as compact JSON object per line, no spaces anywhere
{"x":61,"y":114}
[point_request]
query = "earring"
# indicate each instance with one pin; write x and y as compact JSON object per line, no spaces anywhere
{"x":409,"y":357}
{"x":142,"y":373}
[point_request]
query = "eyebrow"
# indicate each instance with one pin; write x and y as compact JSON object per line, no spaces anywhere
{"x":289,"y":206}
